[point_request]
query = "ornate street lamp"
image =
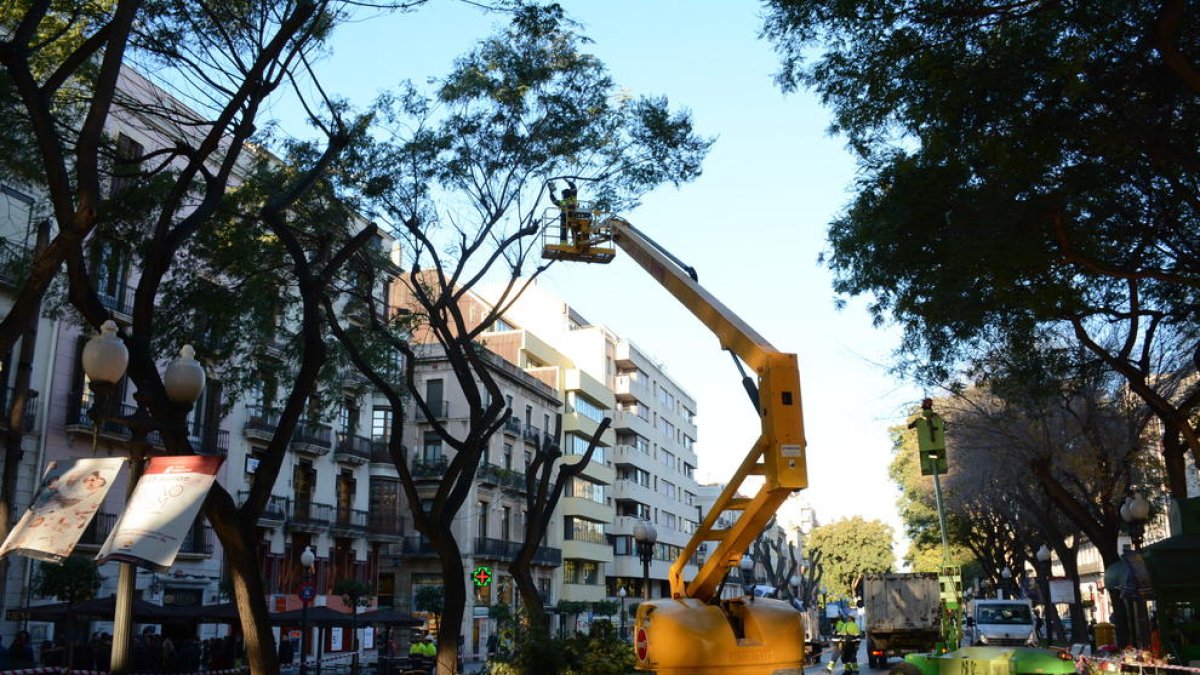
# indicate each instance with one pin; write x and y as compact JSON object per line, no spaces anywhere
{"x":1043,"y":557}
{"x":795,"y":582}
{"x":1135,"y":511}
{"x":1005,"y":579}
{"x":105,"y":359}
{"x":307,"y":560}
{"x":645,"y":536}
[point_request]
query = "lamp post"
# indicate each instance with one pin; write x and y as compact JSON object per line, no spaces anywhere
{"x":1005,"y":578}
{"x":1043,"y":557}
{"x":307,"y":559}
{"x":1135,"y":511}
{"x":105,"y":359}
{"x":622,"y":593}
{"x":645,"y":536}
{"x":746,"y":564}
{"x":795,"y":582}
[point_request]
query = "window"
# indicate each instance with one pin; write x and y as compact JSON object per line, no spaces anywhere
{"x":576,"y":444}
{"x":585,"y":406}
{"x":508,"y":456}
{"x":348,"y":417}
{"x":666,"y":458}
{"x":667,"y":489}
{"x":128,"y":165}
{"x":581,"y":572}
{"x":110,"y":264}
{"x":381,"y":424}
{"x":431,"y":450}
{"x":501,"y":326}
{"x":580,"y":529}
{"x":586,"y":489}
{"x":434,"y":397}
{"x":667,"y":429}
{"x":482,"y":522}
{"x":506,"y":523}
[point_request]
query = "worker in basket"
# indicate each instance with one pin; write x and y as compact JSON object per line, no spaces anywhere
{"x":845,"y":640}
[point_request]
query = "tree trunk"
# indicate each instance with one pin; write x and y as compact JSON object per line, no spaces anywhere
{"x":454,"y":601}
{"x":522,"y":574}
{"x":241,"y":553}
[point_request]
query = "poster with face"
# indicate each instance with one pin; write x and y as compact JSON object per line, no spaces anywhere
{"x":65,"y":503}
{"x":161,"y":510}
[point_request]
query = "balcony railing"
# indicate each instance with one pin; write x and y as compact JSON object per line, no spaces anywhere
{"x":498,"y":475}
{"x":119,"y":300}
{"x":430,"y":468}
{"x":352,"y":448}
{"x":275,"y":510}
{"x":29,"y":418}
{"x":204,"y":441}
{"x":354,"y":520}
{"x":310,"y":436}
{"x":379,"y":451}
{"x":313,"y":434}
{"x":198,"y":541}
{"x":14,"y":261}
{"x":504,"y":550}
{"x":512,"y":425}
{"x":532,"y":433}
{"x":547,"y":556}
{"x":311,"y":514}
{"x":418,"y":546}
{"x":97,"y":531}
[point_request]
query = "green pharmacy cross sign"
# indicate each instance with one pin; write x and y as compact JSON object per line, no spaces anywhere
{"x":482,"y":576}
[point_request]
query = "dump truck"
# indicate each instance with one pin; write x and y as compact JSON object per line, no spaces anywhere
{"x":903,"y":614}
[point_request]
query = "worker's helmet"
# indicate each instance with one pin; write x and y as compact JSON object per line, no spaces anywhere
{"x":429,"y":637}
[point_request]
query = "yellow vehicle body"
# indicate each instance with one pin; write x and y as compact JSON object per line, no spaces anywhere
{"x":695,"y":632}
{"x":687,"y":636}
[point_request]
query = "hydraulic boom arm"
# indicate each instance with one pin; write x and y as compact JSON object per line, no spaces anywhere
{"x":778,"y":455}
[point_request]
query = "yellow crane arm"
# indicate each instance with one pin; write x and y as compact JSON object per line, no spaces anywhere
{"x":778,"y":455}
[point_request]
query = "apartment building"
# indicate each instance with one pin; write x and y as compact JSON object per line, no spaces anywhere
{"x":330,"y":494}
{"x":652,"y":458}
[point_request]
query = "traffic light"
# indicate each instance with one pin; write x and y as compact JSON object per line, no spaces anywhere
{"x":931,"y":440}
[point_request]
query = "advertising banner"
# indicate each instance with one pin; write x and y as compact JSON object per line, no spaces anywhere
{"x":162,"y":509}
{"x":67,"y":499}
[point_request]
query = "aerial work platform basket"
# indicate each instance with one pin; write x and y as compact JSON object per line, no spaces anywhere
{"x":580,"y":235}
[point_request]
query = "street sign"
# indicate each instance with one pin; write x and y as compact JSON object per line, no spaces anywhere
{"x":642,"y":644}
{"x":307,"y":592}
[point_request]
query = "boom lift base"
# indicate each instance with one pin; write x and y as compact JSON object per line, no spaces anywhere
{"x":739,"y":636}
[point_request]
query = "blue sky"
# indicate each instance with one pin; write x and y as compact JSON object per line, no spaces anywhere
{"x":753,"y":226}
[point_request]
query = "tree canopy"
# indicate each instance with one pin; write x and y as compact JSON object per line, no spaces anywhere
{"x":850,"y":548}
{"x":1024,"y":166}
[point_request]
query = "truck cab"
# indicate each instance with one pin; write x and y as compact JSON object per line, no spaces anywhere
{"x":1003,"y":623}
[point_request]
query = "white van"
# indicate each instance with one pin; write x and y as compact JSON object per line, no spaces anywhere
{"x":1003,"y":623}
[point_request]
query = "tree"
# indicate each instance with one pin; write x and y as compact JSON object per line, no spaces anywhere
{"x":850,"y":548}
{"x":1016,"y":177}
{"x":545,"y":479}
{"x":460,"y":174}
{"x":66,"y":73}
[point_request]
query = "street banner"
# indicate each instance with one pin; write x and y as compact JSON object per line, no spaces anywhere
{"x":67,"y":499}
{"x":161,"y":510}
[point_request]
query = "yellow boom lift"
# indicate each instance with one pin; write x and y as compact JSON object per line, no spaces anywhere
{"x":695,"y":631}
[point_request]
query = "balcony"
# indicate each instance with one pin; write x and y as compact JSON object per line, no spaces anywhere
{"x":496,"y":549}
{"x":97,"y":531}
{"x":312,"y":438}
{"x":310,"y":516}
{"x":512,"y":426}
{"x":349,"y":522}
{"x":198,"y":542}
{"x":29,"y":418}
{"x":430,"y":468}
{"x":532,"y":434}
{"x":630,"y":387}
{"x":548,"y":557}
{"x":509,"y":479}
{"x":260,"y":423}
{"x":352,"y":449}
{"x":118,"y":300}
{"x":274,"y":513}
{"x":379,"y":451}
{"x":204,"y":441}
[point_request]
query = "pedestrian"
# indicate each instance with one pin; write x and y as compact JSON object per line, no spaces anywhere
{"x":20,"y":652}
{"x":1038,"y":625}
